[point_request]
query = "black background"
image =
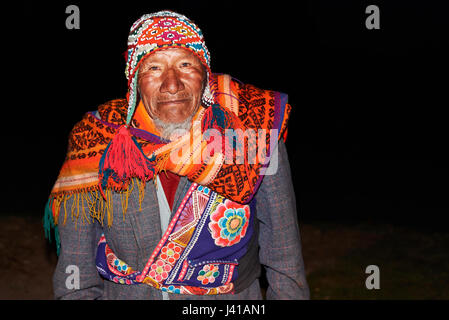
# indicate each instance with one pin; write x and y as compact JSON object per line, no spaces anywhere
{"x":368,"y":132}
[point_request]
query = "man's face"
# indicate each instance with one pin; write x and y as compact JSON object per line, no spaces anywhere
{"x":171,"y":84}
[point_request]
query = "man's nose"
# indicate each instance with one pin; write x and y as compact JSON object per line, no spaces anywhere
{"x":171,"y":83}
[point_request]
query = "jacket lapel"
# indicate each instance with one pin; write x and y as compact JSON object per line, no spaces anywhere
{"x":183,"y":187}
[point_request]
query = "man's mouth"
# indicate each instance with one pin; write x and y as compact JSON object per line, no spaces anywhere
{"x":175,"y":101}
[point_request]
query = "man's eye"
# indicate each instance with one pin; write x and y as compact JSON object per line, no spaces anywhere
{"x":185,"y":64}
{"x":150,"y":68}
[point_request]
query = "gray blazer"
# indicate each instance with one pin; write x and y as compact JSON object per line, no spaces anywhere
{"x":134,"y":236}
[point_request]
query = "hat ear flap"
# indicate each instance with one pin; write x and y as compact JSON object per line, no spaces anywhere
{"x":208,"y":98}
{"x":132,"y":98}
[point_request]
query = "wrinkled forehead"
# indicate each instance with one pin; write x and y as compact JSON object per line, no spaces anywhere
{"x":170,"y":54}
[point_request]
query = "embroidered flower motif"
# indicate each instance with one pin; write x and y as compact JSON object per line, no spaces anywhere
{"x":170,"y":253}
{"x":203,"y":189}
{"x":171,"y":289}
{"x":120,"y":265}
{"x":121,"y":281}
{"x":229,"y":223}
{"x":116,"y":263}
{"x":159,"y":270}
{"x":208,"y":274}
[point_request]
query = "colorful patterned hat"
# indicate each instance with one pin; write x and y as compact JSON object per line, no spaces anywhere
{"x":158,"y":31}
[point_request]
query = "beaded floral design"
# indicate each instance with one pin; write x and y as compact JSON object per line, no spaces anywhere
{"x":117,"y":264}
{"x":171,"y":289}
{"x":121,"y":280}
{"x":208,"y":274}
{"x":120,"y":265}
{"x":159,"y":270}
{"x":171,"y":253}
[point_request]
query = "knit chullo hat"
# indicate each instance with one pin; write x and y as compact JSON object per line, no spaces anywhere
{"x":158,"y":31}
{"x":123,"y":157}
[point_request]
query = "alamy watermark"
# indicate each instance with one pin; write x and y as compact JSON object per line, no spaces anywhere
{"x":235,"y":146}
{"x":72,"y":282}
{"x":73,"y":19}
{"x":372,"y":22}
{"x":373,"y":280}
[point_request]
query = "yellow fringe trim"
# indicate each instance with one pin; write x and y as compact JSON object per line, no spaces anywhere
{"x":90,"y":204}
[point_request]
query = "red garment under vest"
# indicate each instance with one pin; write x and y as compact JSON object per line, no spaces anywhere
{"x":170,"y":183}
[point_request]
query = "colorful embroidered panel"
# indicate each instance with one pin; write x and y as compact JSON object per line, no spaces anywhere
{"x":198,"y":254}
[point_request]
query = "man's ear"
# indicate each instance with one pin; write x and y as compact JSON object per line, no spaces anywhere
{"x":204,"y":80}
{"x":138,"y":95}
{"x":204,"y":77}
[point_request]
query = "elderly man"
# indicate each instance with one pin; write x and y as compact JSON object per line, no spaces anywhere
{"x":171,"y":193}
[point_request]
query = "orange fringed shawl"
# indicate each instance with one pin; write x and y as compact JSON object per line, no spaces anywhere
{"x":238,"y":106}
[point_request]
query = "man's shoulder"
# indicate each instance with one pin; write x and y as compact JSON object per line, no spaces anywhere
{"x":114,"y":111}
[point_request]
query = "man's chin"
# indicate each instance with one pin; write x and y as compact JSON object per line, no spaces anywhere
{"x":173,"y":130}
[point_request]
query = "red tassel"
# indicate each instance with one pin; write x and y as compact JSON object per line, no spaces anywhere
{"x":123,"y":159}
